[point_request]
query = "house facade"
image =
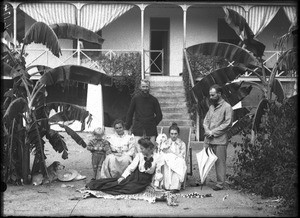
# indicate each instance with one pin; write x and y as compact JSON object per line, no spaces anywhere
{"x":159,"y":31}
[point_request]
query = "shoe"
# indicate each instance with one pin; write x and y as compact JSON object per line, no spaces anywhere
{"x":174,"y":191}
{"x":217,"y":188}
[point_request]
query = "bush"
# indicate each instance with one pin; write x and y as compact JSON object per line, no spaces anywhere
{"x":268,"y":167}
{"x":125,"y":68}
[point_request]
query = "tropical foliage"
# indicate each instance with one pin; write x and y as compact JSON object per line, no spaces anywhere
{"x":269,"y":167}
{"x":266,"y":157}
{"x":27,"y":106}
{"x":240,"y":59}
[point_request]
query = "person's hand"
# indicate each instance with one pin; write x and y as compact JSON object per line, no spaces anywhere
{"x":120,"y":179}
{"x":209,"y":134}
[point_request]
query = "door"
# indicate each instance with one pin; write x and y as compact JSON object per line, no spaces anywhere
{"x":159,"y":41}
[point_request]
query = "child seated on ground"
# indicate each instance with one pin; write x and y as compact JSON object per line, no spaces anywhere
{"x":99,"y":148}
{"x":137,"y":176}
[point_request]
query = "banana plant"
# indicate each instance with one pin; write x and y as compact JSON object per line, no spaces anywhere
{"x":244,"y":58}
{"x":26,"y":108}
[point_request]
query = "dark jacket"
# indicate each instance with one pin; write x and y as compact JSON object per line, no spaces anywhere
{"x":147,"y":115}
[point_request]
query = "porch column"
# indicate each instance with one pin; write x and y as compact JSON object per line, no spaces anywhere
{"x":15,"y":6}
{"x":78,"y":6}
{"x":184,"y":8}
{"x":142,"y":7}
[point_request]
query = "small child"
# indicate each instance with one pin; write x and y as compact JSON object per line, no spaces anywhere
{"x":99,"y":148}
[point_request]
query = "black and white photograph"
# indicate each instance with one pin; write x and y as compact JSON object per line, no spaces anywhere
{"x":149,"y":108}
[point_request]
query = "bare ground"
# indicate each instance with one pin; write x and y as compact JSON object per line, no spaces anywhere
{"x":56,"y":200}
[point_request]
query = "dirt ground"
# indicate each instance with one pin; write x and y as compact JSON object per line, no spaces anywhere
{"x":55,"y":199}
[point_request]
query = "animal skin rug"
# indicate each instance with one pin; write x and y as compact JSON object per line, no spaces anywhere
{"x":150,"y":194}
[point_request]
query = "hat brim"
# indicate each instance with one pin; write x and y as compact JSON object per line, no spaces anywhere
{"x":67,"y":175}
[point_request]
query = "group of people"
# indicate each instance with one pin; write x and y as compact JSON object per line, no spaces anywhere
{"x":129,"y":160}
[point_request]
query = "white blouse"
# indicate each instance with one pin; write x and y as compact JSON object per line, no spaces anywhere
{"x":121,"y":144}
{"x":139,"y":162}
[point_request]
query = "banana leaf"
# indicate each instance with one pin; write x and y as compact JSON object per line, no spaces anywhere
{"x":10,"y":72}
{"x":73,"y":31}
{"x":288,"y":60}
{"x":232,"y":93}
{"x":220,"y":77}
{"x":15,"y":109}
{"x":239,"y":24}
{"x":8,"y":57}
{"x":278,"y":90}
{"x":40,"y":32}
{"x":57,"y":142}
{"x":239,"y":113}
{"x":76,"y":73}
{"x":235,"y":92}
{"x":69,"y":113}
{"x":39,"y":69}
{"x":74,"y":135}
{"x":241,"y":124}
{"x":228,"y":51}
{"x":260,"y":111}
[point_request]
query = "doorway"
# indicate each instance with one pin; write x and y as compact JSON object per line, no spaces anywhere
{"x":159,"y":46}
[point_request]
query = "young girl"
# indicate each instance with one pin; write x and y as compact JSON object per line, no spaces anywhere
{"x":173,"y":152}
{"x":99,"y":148}
{"x":137,"y":176}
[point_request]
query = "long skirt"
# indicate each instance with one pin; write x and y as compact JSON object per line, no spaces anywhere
{"x":136,"y":182}
{"x":113,"y":166}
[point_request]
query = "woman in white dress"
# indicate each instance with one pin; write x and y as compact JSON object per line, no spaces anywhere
{"x":122,"y":146}
{"x":173,"y":152}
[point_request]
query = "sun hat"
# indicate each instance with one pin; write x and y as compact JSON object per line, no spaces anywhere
{"x":67,"y":175}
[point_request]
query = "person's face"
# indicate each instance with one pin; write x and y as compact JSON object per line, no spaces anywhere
{"x":146,"y":151}
{"x":173,"y":134}
{"x":119,"y":129}
{"x":214,"y":96}
{"x":144,"y":87}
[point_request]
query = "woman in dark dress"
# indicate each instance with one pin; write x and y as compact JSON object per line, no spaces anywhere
{"x":137,"y":176}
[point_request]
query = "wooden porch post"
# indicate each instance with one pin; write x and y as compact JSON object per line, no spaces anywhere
{"x":142,"y":7}
{"x":15,"y":6}
{"x":78,"y":6}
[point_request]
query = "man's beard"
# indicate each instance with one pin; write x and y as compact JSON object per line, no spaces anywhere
{"x":214,"y":101}
{"x":145,"y":93}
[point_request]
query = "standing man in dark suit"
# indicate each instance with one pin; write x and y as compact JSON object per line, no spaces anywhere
{"x":145,"y":114}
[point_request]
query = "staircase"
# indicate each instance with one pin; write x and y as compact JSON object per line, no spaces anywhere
{"x":169,"y":90}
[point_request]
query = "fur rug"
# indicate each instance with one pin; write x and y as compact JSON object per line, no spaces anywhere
{"x":150,"y":194}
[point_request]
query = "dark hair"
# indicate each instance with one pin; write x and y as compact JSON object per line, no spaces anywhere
{"x":146,"y":143}
{"x":174,"y":126}
{"x":118,"y":121}
{"x":217,"y":87}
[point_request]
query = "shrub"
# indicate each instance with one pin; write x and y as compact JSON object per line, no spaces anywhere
{"x":125,"y":69}
{"x":268,"y":167}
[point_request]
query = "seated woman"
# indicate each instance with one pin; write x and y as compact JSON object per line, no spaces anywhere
{"x":173,"y":152}
{"x":137,"y":176}
{"x":122,"y":146}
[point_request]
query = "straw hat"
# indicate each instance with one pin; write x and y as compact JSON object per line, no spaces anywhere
{"x":67,"y":175}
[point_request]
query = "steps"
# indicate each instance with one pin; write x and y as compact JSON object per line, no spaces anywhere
{"x":169,"y":90}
